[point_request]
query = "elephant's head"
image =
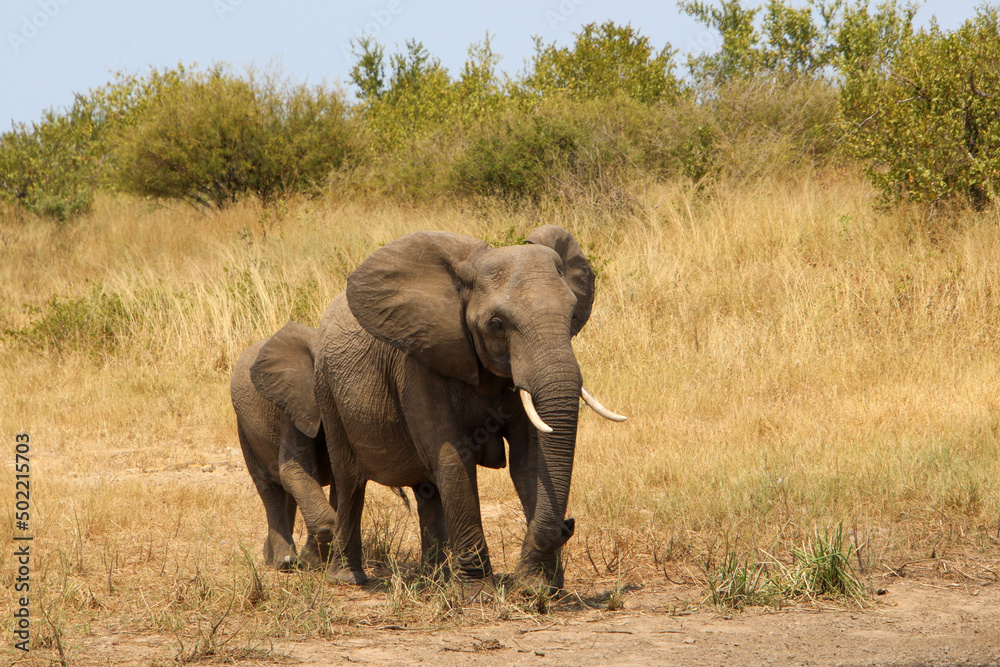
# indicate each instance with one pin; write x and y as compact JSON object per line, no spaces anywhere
{"x":467,"y":311}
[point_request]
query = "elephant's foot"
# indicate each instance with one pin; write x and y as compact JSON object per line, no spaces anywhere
{"x":436,"y":571}
{"x":280,"y":556}
{"x":477,"y":590}
{"x":541,"y":569}
{"x":316,"y":552}
{"x":544,"y":577}
{"x":287,"y":564}
{"x":309,"y":558}
{"x":337,"y":574}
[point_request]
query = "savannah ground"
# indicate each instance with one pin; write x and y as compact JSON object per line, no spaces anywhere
{"x":792,"y":362}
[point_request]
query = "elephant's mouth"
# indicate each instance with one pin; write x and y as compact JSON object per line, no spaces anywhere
{"x":588,"y":398}
{"x":501,"y":366}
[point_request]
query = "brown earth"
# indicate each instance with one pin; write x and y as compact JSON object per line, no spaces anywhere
{"x":918,"y":620}
{"x":940,"y":612}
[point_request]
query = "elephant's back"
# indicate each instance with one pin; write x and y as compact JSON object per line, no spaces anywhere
{"x":362,"y":371}
{"x":364,"y":374}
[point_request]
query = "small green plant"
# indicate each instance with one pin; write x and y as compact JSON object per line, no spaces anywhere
{"x":737,"y":583}
{"x":616,"y":598}
{"x":822,"y":568}
{"x":383,"y":536}
{"x":96,"y":323}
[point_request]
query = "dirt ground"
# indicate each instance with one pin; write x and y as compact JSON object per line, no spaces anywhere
{"x":937,"y":614}
{"x":918,"y":620}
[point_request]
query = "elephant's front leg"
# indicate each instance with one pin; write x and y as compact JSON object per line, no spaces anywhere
{"x":456,"y":482}
{"x":445,"y":447}
{"x":299,"y":476}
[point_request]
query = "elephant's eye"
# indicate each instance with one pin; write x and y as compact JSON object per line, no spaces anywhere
{"x":496,"y":324}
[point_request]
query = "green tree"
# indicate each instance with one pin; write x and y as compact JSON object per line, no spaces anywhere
{"x":605,"y":60}
{"x":210,"y":138}
{"x":415,"y":96}
{"x":50,"y":167}
{"x":785,"y":41}
{"x":479,"y":90}
{"x":739,"y":54}
{"x":922,"y":114}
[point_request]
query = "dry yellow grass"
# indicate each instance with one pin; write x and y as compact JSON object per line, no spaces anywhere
{"x":789,"y":359}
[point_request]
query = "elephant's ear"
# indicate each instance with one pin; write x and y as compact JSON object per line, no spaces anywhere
{"x":579,"y":275}
{"x":283,"y":374}
{"x":410,"y":294}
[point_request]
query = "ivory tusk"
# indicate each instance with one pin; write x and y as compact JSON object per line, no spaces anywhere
{"x":529,"y":407}
{"x":596,"y":406}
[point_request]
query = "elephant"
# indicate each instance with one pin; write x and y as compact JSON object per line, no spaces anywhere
{"x":439,"y":349}
{"x":285,"y":451}
{"x":287,"y":455}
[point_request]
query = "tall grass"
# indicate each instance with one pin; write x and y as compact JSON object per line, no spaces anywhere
{"x":789,"y":360}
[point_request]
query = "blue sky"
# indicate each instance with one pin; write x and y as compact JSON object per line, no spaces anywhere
{"x":52,"y":48}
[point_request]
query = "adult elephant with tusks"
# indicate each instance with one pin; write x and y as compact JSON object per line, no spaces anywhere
{"x":439,"y":350}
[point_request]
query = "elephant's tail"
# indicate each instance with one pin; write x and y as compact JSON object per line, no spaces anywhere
{"x":402,"y":494}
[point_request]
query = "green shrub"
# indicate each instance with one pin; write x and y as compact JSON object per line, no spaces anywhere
{"x":49,"y":168}
{"x":211,"y":138}
{"x":605,"y":60}
{"x":923,"y":115}
{"x":561,"y":148}
{"x":788,"y":41}
{"x":762,"y":125}
{"x":517,"y":156}
{"x":94,"y":323}
{"x":53,"y":167}
{"x":416,"y":97}
{"x":567,"y":148}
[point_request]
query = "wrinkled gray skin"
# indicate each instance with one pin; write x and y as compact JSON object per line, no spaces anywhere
{"x":287,"y":456}
{"x":417,"y":368}
{"x":288,"y":466}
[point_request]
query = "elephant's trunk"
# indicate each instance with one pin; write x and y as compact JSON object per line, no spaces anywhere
{"x":555,"y":393}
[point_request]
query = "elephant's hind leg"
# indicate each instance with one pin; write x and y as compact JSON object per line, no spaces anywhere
{"x":433,"y":528}
{"x":346,"y":564}
{"x":279,"y":549}
{"x":279,"y":546}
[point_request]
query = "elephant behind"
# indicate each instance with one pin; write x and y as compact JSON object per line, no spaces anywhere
{"x":286,"y":456}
